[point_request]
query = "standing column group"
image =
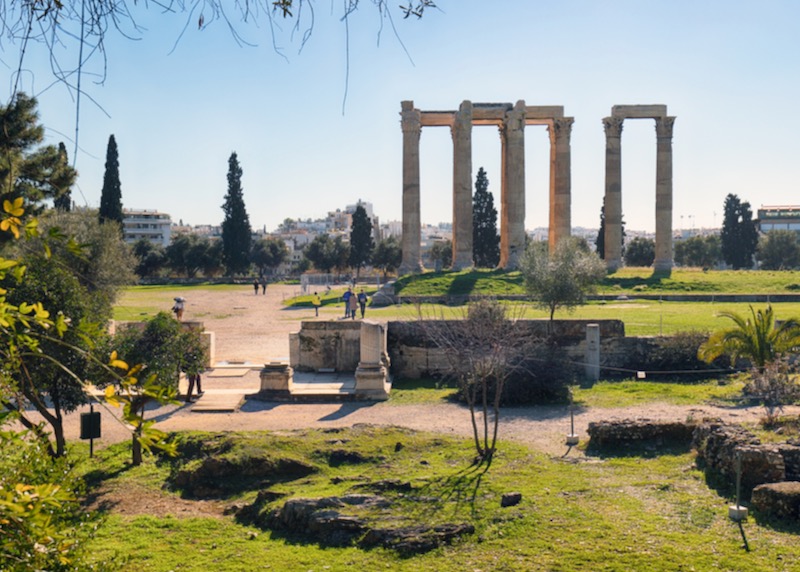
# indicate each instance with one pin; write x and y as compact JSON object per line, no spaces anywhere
{"x":511,"y":121}
{"x":612,"y":201}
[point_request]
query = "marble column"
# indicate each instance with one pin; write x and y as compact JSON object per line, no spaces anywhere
{"x":512,"y":231}
{"x":663,"y":260}
{"x":613,"y":198}
{"x":560,"y":181}
{"x":412,"y":127}
{"x":461,"y":131}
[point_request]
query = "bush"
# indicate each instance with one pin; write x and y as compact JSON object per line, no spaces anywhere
{"x":541,"y":375}
{"x":775,"y":385}
{"x":545,"y":377}
{"x":673,"y":356}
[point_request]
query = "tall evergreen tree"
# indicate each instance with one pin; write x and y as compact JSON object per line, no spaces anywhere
{"x":111,"y":196}
{"x":236,"y":232}
{"x":739,"y":235}
{"x":63,"y":202}
{"x":600,"y":241}
{"x":485,"y":240}
{"x":28,"y":169}
{"x":361,"y":243}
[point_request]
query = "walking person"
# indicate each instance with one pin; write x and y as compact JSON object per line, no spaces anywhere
{"x":346,"y":297}
{"x":362,"y":301}
{"x":255,"y":285}
{"x":353,"y":306}
{"x":317,"y":302}
{"x":194,"y":380}
{"x":263,"y":286}
{"x":178,"y":308}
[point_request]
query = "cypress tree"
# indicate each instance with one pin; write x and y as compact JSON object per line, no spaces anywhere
{"x":485,"y":240}
{"x":111,"y":196}
{"x":361,"y":243}
{"x":739,"y":235}
{"x":63,"y":202}
{"x":236,"y":232}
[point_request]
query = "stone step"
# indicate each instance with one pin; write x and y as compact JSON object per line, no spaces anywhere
{"x":219,"y":400}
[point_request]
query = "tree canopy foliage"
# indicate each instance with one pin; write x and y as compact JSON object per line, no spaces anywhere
{"x":739,"y":235}
{"x":485,"y":239}
{"x":327,"y":253}
{"x":562,"y":279}
{"x":640,"y":252}
{"x":28,"y":169}
{"x":268,"y":253}
{"x":236,"y":231}
{"x":778,"y":250}
{"x":388,"y":255}
{"x":111,"y":194}
{"x":701,"y":251}
{"x":361,"y":243}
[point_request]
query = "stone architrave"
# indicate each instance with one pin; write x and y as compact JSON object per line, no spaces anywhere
{"x":461,"y":131}
{"x":560,"y":181}
{"x":410,"y":244}
{"x":613,"y":198}
{"x":512,"y":227}
{"x":663,"y":260}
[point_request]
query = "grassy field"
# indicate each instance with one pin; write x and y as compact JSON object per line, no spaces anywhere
{"x":641,"y":317}
{"x":624,"y":281}
{"x":636,"y":512}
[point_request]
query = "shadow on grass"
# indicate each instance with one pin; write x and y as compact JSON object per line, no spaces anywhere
{"x":642,"y":450}
{"x":460,"y":488}
{"x":463,"y":284}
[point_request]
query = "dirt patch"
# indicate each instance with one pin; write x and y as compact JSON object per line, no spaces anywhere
{"x":134,"y":500}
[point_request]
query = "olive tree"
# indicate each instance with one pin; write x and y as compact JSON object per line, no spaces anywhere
{"x":563,"y":279}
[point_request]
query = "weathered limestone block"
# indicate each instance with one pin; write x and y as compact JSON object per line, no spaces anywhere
{"x":718,"y":446}
{"x":781,"y":500}
{"x":318,"y":345}
{"x":637,"y":432}
{"x":791,"y":460}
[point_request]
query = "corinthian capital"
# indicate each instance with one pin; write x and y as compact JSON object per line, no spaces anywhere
{"x":664,"y":127}
{"x":613,"y":126}
{"x":561,"y":128}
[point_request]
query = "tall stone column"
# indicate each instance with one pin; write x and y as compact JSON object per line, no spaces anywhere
{"x":613,"y":198}
{"x":663,"y":260}
{"x":512,"y":237}
{"x":461,"y":131}
{"x":560,"y":181}
{"x":410,"y":243}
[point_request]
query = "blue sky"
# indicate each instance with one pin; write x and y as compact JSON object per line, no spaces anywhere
{"x":179,"y":105}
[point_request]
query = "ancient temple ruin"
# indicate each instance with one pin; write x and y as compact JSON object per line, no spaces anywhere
{"x":511,"y":121}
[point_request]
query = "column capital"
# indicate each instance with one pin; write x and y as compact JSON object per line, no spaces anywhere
{"x":664,"y":127}
{"x":514,"y":120}
{"x":410,"y":118}
{"x":613,"y":126}
{"x":561,"y":128}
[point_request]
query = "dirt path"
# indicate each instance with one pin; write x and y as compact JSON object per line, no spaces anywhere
{"x":255,"y":328}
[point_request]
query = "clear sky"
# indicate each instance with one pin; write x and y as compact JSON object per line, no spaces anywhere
{"x":729,"y":70}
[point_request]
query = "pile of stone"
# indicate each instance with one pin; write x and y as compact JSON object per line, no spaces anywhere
{"x":330,"y":520}
{"x":633,"y":433}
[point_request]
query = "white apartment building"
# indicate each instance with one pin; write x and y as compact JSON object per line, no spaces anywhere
{"x":148,"y":224}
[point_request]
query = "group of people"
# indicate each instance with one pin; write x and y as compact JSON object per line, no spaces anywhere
{"x":262,"y":283}
{"x":352,"y":302}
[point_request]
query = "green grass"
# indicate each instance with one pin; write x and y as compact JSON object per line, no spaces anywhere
{"x":630,"y":393}
{"x":624,"y":281}
{"x":627,"y":513}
